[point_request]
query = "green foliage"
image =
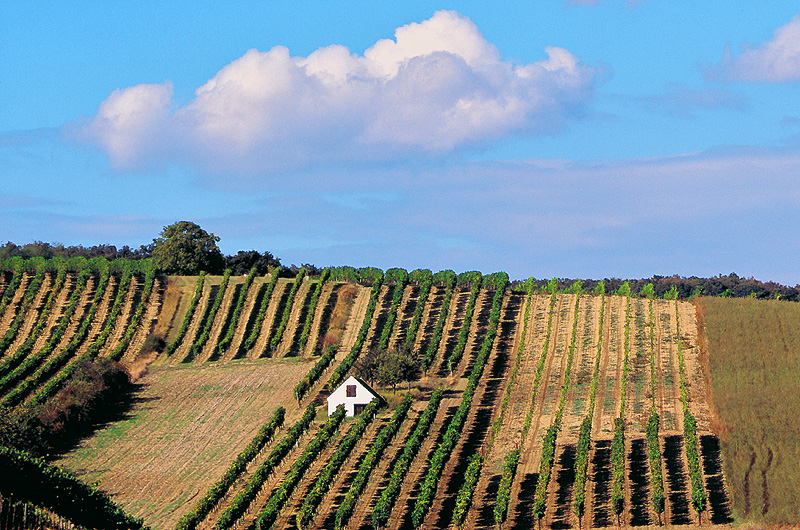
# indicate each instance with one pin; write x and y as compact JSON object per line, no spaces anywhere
{"x":24,"y":306}
{"x":383,"y":507}
{"x":425,"y":284}
{"x":277,"y":334}
{"x":618,"y":467}
{"x":512,"y":379}
{"x":10,"y":382}
{"x":545,"y":468}
{"x":312,"y":309}
{"x":191,"y":519}
{"x":316,"y":371}
{"x":504,"y":490}
{"x":469,"y":278}
{"x":397,"y":298}
{"x":420,"y":276}
{"x":59,"y":491}
{"x":370,"y":462}
{"x":146,"y":267}
{"x":549,"y":447}
{"x":699,"y":496}
{"x":370,"y":275}
{"x":326,"y":477}
{"x":395,"y":275}
{"x":463,"y":334}
{"x":496,"y":280}
{"x":582,"y":466}
{"x":242,"y":500}
{"x":255,"y":330}
{"x":187,"y":319}
{"x":467,"y":489}
{"x":17,"y":267}
{"x":654,"y":458}
{"x":624,"y":289}
{"x":539,"y":369}
{"x":672,"y":294}
{"x":269,"y":513}
{"x":444,"y":450}
{"x":599,"y":288}
{"x":436,"y":339}
{"x":575,"y":288}
{"x":232,"y":320}
{"x":343,"y":274}
{"x":648,"y":291}
{"x":185,"y":248}
{"x":208,"y":320}
{"x":445,"y":278}
{"x":552,"y":286}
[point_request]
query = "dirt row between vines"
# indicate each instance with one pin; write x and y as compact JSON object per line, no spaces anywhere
{"x":668,"y":328}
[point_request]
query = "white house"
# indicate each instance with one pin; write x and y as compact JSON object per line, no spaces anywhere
{"x":354,"y":394}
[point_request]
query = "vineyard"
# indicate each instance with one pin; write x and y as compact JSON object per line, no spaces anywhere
{"x":532,"y":407}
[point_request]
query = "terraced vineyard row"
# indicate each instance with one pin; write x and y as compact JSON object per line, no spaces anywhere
{"x":62,"y":312}
{"x":516,"y":389}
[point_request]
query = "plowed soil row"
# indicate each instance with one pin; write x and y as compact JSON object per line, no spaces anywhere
{"x":405,"y":314}
{"x":210,"y":348}
{"x":486,"y":407}
{"x":379,"y":317}
{"x":56,"y":313}
{"x":354,"y":320}
{"x":452,"y":327}
{"x":134,"y":292}
{"x":433,"y":308}
{"x":32,"y":315}
{"x":316,"y":333}
{"x":12,"y":307}
{"x":296,"y":319}
{"x":251,"y":296}
{"x":148,"y":322}
{"x":194,"y":326}
{"x":177,"y":440}
{"x":101,"y":315}
{"x":276,"y":301}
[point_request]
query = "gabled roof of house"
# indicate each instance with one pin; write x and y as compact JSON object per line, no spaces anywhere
{"x":360,"y":382}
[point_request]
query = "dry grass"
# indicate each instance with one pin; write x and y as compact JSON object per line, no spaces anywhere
{"x":754,"y":362}
{"x":189,"y":424}
{"x":341,"y":312}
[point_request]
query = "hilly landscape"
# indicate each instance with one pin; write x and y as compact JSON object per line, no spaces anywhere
{"x":532,"y":404}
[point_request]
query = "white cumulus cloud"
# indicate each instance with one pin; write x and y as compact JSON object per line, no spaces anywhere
{"x":437,"y":86}
{"x":774,"y":61}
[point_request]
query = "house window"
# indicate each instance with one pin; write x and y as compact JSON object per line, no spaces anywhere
{"x":351,"y":390}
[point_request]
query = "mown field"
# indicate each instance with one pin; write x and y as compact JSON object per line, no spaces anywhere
{"x":754,"y":363}
{"x":552,"y":409}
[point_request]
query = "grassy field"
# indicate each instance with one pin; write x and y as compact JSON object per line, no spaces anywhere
{"x":754,"y":362}
{"x":189,"y":422}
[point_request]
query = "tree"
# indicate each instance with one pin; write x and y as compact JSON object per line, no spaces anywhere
{"x":389,"y":367}
{"x":244,"y":260}
{"x":185,"y":248}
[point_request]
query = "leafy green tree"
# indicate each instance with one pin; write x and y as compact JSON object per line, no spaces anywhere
{"x":185,"y":248}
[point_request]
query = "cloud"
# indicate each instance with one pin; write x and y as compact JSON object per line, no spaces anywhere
{"x":774,"y":61}
{"x":681,"y":100}
{"x":438,"y":86}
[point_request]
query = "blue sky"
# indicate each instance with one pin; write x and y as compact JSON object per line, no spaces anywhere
{"x":591,"y":139}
